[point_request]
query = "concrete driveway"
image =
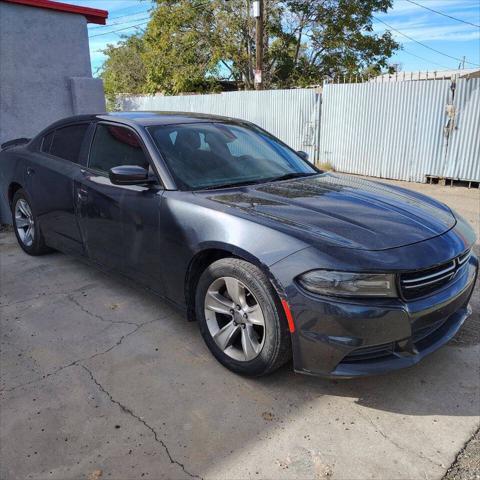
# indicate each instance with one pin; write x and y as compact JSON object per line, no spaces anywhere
{"x":103,"y":380}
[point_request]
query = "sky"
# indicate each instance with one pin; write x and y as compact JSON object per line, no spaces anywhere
{"x":409,"y":23}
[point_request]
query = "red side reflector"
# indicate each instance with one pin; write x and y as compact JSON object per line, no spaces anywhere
{"x":288,"y":314}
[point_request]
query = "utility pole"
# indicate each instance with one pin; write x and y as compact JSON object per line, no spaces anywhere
{"x":258,"y":14}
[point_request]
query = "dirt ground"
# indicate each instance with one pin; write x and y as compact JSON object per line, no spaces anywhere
{"x":467,"y":464}
{"x":102,"y":380}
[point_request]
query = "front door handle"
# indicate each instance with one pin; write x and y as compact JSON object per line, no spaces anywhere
{"x":30,"y":171}
{"x":82,"y":194}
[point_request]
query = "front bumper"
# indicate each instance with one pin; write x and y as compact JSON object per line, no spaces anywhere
{"x":345,"y":338}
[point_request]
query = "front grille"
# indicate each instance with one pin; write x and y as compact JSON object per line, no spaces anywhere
{"x":369,"y":353}
{"x":423,"y":282}
{"x":419,"y":334}
{"x":421,"y":338}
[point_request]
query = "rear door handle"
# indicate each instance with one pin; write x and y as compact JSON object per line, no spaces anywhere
{"x":30,"y":171}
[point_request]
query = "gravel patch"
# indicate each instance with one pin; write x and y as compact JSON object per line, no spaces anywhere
{"x":467,"y":464}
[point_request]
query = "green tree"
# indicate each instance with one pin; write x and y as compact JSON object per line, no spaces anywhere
{"x":191,"y":45}
{"x":333,"y":37}
{"x":181,"y":52}
{"x":124,"y":69}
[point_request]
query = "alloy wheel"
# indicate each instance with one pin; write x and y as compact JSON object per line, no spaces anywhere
{"x":235,"y":319}
{"x":24,"y":222}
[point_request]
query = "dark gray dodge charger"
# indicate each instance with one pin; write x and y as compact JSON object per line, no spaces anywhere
{"x":274,"y":258}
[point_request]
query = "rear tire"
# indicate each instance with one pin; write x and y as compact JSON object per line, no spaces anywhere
{"x":25,"y":225}
{"x":241,"y":319}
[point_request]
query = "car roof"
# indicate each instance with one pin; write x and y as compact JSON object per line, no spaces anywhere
{"x":138,"y":118}
{"x":169,"y":118}
{"x":150,"y":118}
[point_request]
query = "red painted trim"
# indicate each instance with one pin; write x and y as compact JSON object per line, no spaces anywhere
{"x":93,"y":15}
{"x":288,"y":314}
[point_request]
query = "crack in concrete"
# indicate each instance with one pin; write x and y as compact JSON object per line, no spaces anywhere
{"x":394,"y":443}
{"x":86,"y":359}
{"x":29,"y":299}
{"x":46,"y":294}
{"x":72,"y":299}
{"x":96,"y":315}
{"x":130,"y":412}
{"x":24,"y":354}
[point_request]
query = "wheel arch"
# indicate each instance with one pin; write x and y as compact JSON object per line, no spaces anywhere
{"x":12,"y":189}
{"x":211,"y":253}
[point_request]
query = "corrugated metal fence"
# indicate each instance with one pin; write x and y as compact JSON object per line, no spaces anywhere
{"x":375,"y":129}
{"x":401,"y":130}
{"x":291,"y":115}
{"x":463,"y":151}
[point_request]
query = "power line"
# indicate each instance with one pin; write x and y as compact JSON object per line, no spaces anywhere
{"x":426,"y":59}
{"x":120,"y":29}
{"x":117,"y":10}
{"x":96,"y":27}
{"x":129,"y":14}
{"x":199,"y":5}
{"x":122,"y":23}
{"x":443,"y":14}
{"x":423,"y":44}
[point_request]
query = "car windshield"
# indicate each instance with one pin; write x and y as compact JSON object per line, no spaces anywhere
{"x":214,"y":155}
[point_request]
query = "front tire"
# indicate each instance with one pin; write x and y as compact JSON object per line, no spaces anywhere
{"x":240,"y":318}
{"x":25,"y":224}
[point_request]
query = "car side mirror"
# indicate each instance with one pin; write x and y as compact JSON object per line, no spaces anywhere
{"x":303,"y":154}
{"x":129,"y":175}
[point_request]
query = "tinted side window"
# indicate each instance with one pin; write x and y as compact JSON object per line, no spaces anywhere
{"x":47,"y":142}
{"x":67,"y":142}
{"x":114,"y":146}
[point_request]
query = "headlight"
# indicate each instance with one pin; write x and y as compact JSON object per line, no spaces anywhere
{"x":344,"y":284}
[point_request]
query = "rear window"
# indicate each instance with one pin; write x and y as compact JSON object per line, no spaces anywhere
{"x":67,"y":142}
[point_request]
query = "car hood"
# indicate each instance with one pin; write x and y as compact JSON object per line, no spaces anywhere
{"x":341,"y":210}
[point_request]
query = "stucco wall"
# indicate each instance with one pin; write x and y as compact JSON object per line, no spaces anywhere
{"x":40,"y":51}
{"x":45,"y":73}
